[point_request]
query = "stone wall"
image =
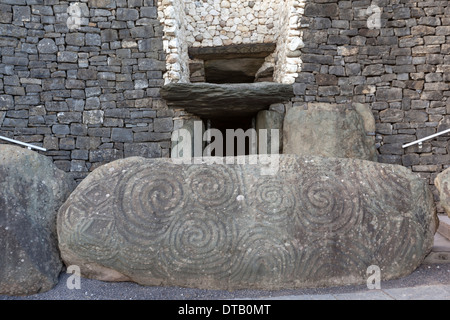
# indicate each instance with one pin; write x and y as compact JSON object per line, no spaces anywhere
{"x":400,"y":68}
{"x":289,"y":41}
{"x":83,"y":80}
{"x":89,"y":91}
{"x":215,"y":23}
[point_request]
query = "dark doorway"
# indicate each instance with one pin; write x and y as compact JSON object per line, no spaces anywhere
{"x":240,"y":123}
{"x":230,"y":64}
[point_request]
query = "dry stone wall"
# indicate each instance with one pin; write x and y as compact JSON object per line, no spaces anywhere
{"x":82,"y":79}
{"x":88,"y":91}
{"x":392,"y":55}
{"x":215,"y":23}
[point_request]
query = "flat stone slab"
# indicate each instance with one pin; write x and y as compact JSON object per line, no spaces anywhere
{"x":222,"y":101}
{"x":442,"y":183}
{"x":315,"y":222}
{"x":254,"y":50}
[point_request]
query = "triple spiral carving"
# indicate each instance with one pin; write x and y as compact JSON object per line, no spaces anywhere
{"x":231,"y":224}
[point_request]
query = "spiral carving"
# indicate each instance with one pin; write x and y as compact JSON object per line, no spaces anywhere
{"x":148,"y":200}
{"x":264,"y":255}
{"x":199,"y":241}
{"x":213,"y":187}
{"x":273,"y":200}
{"x":392,"y":252}
{"x":316,"y":222}
{"x":331,"y":259}
{"x":329,"y":206}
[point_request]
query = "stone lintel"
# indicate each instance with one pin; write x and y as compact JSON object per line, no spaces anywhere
{"x":219,"y":101}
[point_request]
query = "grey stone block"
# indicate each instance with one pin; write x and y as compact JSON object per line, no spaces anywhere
{"x":321,"y":10}
{"x":99,"y":132}
{"x":78,"y":129}
{"x":87,"y":74}
{"x":121,"y":135}
{"x":126,"y":14}
{"x":389,"y":94}
{"x":108,"y":4}
{"x":67,"y":56}
{"x":6,"y":102}
{"x":16,"y":123}
{"x":67,"y":143}
{"x":93,"y":117}
{"x":18,"y":91}
{"x":105,"y":155}
{"x":21,"y":14}
{"x":53,"y":84}
{"x":93,"y":39}
{"x":60,"y":129}
{"x":78,"y":166}
{"x":142,"y":32}
{"x":149,"y":12}
{"x":69,"y":117}
{"x":27,"y":100}
{"x":109,"y":35}
{"x":75,"y":39}
{"x":163,"y":125}
{"x":15,"y":61}
{"x":146,"y":150}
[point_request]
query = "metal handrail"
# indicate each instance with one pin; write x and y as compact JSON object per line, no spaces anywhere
{"x":426,"y":138}
{"x":29,"y":146}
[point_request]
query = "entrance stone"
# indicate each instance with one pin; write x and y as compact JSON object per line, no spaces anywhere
{"x":314,"y":222}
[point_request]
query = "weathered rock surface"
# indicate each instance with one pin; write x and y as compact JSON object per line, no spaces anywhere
{"x":32,"y":190}
{"x":442,"y":183}
{"x":330,"y":130}
{"x":316,"y":222}
{"x":269,"y":120}
{"x":222,"y":101}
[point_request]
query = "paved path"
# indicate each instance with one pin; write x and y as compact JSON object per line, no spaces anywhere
{"x":429,"y":282}
{"x":436,"y":292}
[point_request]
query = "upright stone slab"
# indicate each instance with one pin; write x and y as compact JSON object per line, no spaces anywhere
{"x":32,"y":190}
{"x":442,"y":183}
{"x":330,"y":130}
{"x":311,"y":222}
{"x":270,"y":120}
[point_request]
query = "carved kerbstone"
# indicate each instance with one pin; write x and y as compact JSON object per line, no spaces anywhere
{"x":314,"y":222}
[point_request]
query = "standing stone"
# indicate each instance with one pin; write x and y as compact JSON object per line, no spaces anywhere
{"x":33,"y":189}
{"x":442,"y":183}
{"x":310,"y":222}
{"x":329,"y":130}
{"x":270,"y":120}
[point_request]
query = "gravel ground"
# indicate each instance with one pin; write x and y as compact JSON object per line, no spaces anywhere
{"x":425,"y":275}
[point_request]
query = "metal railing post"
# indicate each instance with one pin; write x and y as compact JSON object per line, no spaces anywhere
{"x":29,"y":146}
{"x":425,"y":139}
